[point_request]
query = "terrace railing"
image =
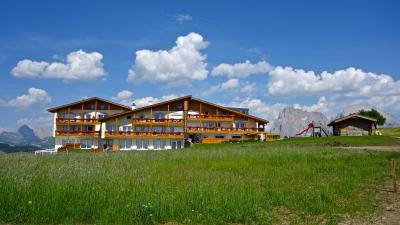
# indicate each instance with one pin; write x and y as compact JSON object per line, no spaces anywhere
{"x":144,"y":134}
{"x":234,"y":130}
{"x":210,"y":117}
{"x":76,"y":120}
{"x":76,"y":133}
{"x":157,"y":121}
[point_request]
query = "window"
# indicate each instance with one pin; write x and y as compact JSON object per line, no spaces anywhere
{"x":127,"y":128}
{"x":92,"y":106}
{"x":159,"y":144}
{"x":159,"y":115}
{"x":219,"y":136}
{"x":236,"y":137}
{"x":141,"y":116}
{"x":138,"y":128}
{"x":240,"y":124}
{"x":129,"y":117}
{"x":86,"y":143}
{"x":142,"y":144}
{"x":110,"y":127}
{"x":102,"y":116}
{"x":208,"y":124}
{"x":125,"y":144}
{"x":102,"y":106}
{"x":157,"y":129}
{"x":145,"y":129}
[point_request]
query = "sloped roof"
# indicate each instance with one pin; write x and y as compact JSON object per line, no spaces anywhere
{"x":55,"y":109}
{"x":188,"y":97}
{"x":351,"y":116}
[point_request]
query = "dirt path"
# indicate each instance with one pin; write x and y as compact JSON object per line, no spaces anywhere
{"x":388,"y":215}
{"x":375,"y":148}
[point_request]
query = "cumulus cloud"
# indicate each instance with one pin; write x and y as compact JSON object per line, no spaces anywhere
{"x":177,"y":67}
{"x":321,"y":106}
{"x":124,"y":97}
{"x":248,"y":87}
{"x":35,"y":96}
{"x":230,"y":84}
{"x":79,"y":65}
{"x":180,"y":18}
{"x":124,"y":94}
{"x":241,"y":70}
{"x":351,"y":82}
{"x":145,"y":101}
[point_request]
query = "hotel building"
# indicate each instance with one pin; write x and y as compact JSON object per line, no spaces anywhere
{"x":100,"y":124}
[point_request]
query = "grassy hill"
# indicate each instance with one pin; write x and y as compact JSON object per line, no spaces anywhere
{"x":303,"y":181}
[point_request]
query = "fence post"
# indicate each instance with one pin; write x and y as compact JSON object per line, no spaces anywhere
{"x":393,"y":167}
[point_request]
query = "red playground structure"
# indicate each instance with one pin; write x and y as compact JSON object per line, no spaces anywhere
{"x":316,"y":129}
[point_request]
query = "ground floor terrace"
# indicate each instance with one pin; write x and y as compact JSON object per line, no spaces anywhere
{"x":127,"y":140}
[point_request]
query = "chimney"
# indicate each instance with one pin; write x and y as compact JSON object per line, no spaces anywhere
{"x":133,"y":106}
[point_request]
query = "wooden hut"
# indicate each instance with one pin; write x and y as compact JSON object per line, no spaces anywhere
{"x":353,"y":125}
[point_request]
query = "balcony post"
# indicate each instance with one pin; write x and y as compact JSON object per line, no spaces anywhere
{"x":151,"y":119}
{"x":185,"y":112}
{"x":201,"y":116}
{"x":69,"y":118}
{"x":82,"y":117}
{"x":168,"y":117}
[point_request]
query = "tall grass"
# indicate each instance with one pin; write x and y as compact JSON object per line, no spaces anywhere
{"x":214,"y":184}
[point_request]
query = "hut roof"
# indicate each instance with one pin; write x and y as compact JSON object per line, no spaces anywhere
{"x":352,"y":116}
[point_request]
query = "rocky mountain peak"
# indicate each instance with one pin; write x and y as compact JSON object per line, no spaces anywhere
{"x":292,"y":120}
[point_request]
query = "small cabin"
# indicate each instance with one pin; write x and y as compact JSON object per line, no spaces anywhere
{"x":353,"y":125}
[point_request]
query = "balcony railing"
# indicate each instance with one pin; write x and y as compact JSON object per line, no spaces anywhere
{"x":76,"y":133}
{"x":76,"y":120}
{"x":234,"y":130}
{"x":156,"y":121}
{"x":143,"y":134}
{"x":210,"y":117}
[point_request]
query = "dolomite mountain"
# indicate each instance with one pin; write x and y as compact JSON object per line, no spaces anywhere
{"x":291,"y":121}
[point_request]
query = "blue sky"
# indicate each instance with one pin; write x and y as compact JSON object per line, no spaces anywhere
{"x":288,"y":44}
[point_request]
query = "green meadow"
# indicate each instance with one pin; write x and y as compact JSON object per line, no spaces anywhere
{"x":302,"y":181}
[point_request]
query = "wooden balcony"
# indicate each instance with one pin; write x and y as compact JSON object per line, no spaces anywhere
{"x":148,"y":121}
{"x":209,"y":117}
{"x":77,"y":133}
{"x":64,"y":121}
{"x":133,"y":134}
{"x":227,"y":130}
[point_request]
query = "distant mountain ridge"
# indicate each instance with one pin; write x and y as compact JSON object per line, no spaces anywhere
{"x":26,"y":136}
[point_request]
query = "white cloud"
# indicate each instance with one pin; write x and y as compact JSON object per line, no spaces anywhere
{"x":230,"y":84}
{"x":145,"y":101}
{"x":248,"y":87}
{"x":351,"y":82}
{"x":79,"y":66}
{"x":321,"y":106}
{"x":241,"y":70}
{"x":180,"y":18}
{"x":34,"y":96}
{"x":259,"y":108}
{"x":124,"y":94}
{"x":178,"y":66}
{"x":124,"y":97}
